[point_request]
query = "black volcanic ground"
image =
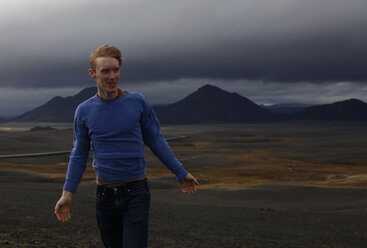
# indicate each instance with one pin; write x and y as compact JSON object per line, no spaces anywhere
{"x":266,"y":216}
{"x":297,"y":185}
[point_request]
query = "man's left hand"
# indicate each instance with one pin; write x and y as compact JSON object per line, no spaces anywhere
{"x":188,"y":184}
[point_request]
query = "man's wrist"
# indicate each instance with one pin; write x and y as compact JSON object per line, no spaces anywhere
{"x":67,"y":194}
{"x":182,"y":175}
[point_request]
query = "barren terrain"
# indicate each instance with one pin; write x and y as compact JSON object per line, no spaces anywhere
{"x":262,"y":185}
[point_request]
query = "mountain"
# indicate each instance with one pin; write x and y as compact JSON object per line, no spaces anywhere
{"x":212,"y":104}
{"x":348,"y":110}
{"x":287,"y":108}
{"x":58,"y":109}
{"x":209,"y":104}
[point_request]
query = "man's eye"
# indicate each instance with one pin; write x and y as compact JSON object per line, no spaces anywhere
{"x":116,"y":70}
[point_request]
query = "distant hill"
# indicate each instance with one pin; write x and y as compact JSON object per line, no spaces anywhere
{"x":209,"y":104}
{"x":58,"y":109}
{"x":348,"y":110}
{"x":287,"y":108}
{"x":38,"y":128}
{"x":212,"y":104}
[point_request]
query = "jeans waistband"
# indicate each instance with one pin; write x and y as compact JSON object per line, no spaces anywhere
{"x":123,"y":188}
{"x":115,"y":183}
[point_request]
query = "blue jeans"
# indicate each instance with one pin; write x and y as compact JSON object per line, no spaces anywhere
{"x":123,"y":213}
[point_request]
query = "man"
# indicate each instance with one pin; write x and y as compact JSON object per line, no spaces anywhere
{"x":116,"y":124}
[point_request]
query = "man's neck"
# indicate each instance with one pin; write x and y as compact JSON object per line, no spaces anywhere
{"x":109,"y":96}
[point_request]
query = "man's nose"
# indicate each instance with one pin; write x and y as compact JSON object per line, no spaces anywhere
{"x":111,"y":74}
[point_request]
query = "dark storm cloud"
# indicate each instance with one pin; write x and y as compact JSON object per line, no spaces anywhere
{"x":48,"y":42}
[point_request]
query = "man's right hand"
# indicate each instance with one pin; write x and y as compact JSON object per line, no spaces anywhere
{"x":62,"y":208}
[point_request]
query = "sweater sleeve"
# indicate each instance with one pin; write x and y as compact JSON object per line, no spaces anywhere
{"x":155,"y":141}
{"x":79,"y":154}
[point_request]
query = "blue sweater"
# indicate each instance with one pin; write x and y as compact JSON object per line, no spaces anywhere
{"x":117,"y":130}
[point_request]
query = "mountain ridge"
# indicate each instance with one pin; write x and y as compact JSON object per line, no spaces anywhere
{"x":212,"y":104}
{"x":351,"y":109}
{"x":58,"y":109}
{"x":208,"y":104}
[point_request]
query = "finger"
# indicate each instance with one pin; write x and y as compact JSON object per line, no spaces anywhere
{"x":193,"y":189}
{"x":68,"y":215}
{"x":64,"y":217}
{"x":189,"y":190}
{"x":192,"y":179}
{"x":58,"y":216}
{"x":192,"y":185}
{"x":195,"y":181}
{"x":61,"y":217}
{"x":57,"y":207}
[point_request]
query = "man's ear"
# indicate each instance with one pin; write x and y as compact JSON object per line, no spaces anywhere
{"x":92,"y":73}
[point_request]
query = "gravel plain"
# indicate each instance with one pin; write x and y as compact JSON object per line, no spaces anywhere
{"x":262,"y":216}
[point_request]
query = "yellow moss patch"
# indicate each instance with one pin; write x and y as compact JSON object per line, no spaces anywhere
{"x":240,"y":170}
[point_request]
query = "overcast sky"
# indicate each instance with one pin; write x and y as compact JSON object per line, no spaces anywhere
{"x":270,"y":51}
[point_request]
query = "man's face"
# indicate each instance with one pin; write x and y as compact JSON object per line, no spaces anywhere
{"x":107,"y":74}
